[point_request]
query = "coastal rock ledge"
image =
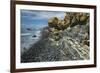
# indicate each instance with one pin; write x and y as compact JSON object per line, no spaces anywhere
{"x":59,"y":43}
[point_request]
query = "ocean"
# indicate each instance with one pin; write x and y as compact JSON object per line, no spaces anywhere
{"x":29,"y":37}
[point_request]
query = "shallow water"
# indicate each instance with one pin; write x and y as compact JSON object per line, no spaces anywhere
{"x":28,"y":39}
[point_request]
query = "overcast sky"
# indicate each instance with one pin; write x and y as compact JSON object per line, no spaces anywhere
{"x":38,"y":18}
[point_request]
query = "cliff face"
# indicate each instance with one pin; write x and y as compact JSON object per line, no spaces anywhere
{"x":70,"y":43}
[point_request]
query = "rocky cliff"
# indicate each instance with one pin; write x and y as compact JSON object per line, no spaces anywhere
{"x":62,"y":40}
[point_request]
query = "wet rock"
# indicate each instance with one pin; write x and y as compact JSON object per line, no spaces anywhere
{"x":29,"y":29}
{"x":34,"y":36}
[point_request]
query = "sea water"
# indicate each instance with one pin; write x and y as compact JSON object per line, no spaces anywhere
{"x":28,"y":38}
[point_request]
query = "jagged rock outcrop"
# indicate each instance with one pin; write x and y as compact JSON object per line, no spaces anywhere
{"x":71,"y":19}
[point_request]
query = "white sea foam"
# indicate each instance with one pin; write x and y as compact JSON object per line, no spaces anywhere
{"x":25,"y":34}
